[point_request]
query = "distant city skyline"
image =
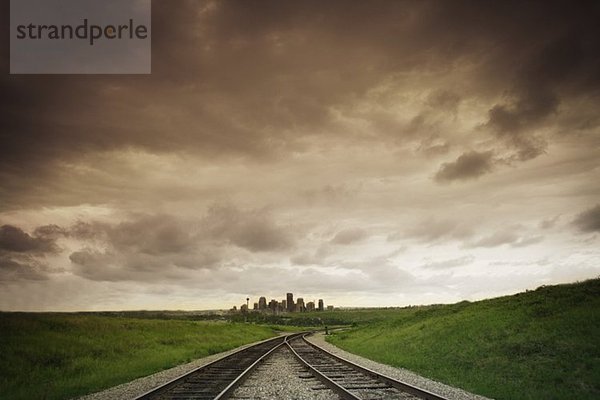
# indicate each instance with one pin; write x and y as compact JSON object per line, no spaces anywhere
{"x":281,"y":306}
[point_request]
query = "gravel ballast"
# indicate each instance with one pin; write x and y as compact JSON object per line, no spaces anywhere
{"x":281,"y":376}
{"x":400,"y":374}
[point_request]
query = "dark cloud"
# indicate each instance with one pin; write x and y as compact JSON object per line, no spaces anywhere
{"x":151,"y":248}
{"x":144,"y":247}
{"x":21,"y":268}
{"x":528,"y":145}
{"x":588,"y":220}
{"x":253,"y":230}
{"x":257,"y":234}
{"x":153,"y":234}
{"x":50,"y":232}
{"x":89,"y":230}
{"x":349,"y":236}
{"x":113,"y":267}
{"x":535,"y":95}
{"x":470,"y":165}
{"x":143,"y":233}
{"x":22,"y":255}
{"x":95,"y":265}
{"x":255,"y":80}
{"x":14,"y":239}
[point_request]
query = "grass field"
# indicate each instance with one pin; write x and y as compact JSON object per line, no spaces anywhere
{"x":542,"y":344}
{"x":69,"y":355}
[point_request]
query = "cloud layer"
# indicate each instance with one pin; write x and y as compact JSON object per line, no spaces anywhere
{"x":389,"y":152}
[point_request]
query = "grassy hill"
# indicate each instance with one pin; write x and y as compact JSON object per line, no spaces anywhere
{"x":541,"y":344}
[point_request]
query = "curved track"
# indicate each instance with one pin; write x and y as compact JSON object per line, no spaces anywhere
{"x":217,"y":379}
{"x":351,"y":381}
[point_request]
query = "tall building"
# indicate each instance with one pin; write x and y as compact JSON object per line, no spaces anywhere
{"x":262,"y":303}
{"x":310,"y":306}
{"x":273,"y":305}
{"x":255,"y":306}
{"x":321,"y":305}
{"x":284,"y":304}
{"x":290,"y":302}
{"x":300,"y":305}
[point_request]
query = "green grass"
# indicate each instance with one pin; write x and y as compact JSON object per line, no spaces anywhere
{"x":542,"y":344}
{"x":59,"y":356}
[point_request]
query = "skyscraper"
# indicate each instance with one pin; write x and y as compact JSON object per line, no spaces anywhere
{"x":273,"y":306}
{"x":321,"y":305}
{"x":290,"y":302}
{"x":262,"y":303}
{"x":300,"y":305}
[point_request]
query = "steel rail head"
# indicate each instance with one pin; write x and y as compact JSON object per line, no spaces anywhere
{"x":344,"y":393}
{"x":422,"y":393}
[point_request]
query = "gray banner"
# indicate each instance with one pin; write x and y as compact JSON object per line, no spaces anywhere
{"x":80,"y":37}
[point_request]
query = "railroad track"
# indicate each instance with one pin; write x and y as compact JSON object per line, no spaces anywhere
{"x":349,"y":380}
{"x":218,"y":379}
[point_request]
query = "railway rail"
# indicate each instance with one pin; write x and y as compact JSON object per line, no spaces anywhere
{"x":218,"y":380}
{"x":352,"y":381}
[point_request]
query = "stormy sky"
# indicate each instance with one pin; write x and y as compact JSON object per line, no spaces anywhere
{"x":377,"y":153}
